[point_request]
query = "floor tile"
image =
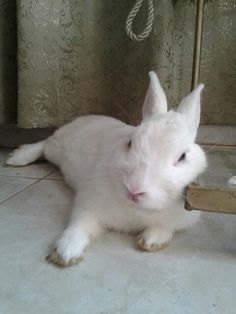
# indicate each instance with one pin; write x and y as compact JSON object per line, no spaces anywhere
{"x":195,"y":274}
{"x":10,"y":185}
{"x":36,"y":170}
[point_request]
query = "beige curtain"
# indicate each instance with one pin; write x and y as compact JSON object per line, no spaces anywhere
{"x":74,"y":58}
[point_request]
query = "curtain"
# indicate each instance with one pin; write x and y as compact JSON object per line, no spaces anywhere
{"x":8,"y":67}
{"x":74,"y":58}
{"x":218,"y":62}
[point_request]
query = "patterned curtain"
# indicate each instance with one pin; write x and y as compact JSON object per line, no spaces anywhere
{"x":74,"y":58}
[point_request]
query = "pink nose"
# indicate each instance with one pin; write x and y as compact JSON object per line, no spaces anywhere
{"x":135,"y":197}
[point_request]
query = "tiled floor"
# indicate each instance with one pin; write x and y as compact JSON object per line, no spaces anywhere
{"x":195,"y":274}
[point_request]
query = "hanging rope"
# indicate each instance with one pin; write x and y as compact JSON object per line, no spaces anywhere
{"x":149,"y":23}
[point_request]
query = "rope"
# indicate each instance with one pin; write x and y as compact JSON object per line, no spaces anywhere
{"x":149,"y":23}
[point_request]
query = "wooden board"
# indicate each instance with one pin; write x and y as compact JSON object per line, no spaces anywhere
{"x":211,"y":191}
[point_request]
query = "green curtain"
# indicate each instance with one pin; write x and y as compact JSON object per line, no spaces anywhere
{"x":74,"y":58}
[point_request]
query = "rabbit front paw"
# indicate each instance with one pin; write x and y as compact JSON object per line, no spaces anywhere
{"x":154,"y":239}
{"x":69,"y":248}
{"x":55,"y":258}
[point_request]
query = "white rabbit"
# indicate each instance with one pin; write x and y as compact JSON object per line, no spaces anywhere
{"x":126,"y":178}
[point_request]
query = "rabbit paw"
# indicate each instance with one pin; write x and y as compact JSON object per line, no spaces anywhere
{"x":153,"y":239}
{"x":55,"y":258}
{"x":69,"y":248}
{"x":17,"y":158}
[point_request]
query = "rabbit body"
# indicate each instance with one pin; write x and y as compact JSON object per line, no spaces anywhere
{"x":125,"y":178}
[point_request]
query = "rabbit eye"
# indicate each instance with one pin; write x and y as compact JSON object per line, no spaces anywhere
{"x":182,"y":157}
{"x":129,"y":143}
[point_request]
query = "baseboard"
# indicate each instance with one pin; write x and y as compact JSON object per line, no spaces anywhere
{"x":11,"y":136}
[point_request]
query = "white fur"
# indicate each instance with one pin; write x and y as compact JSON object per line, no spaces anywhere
{"x":26,"y":154}
{"x":94,"y":155}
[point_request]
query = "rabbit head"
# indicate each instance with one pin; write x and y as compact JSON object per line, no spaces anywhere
{"x":160,"y":156}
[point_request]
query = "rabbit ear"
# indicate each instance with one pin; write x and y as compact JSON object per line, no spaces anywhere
{"x":190,"y":107}
{"x":155,"y":101}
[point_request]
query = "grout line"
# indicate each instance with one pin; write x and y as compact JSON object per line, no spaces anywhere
{"x":27,"y":187}
{"x":18,"y":192}
{"x":21,"y":177}
{"x":46,"y":175}
{"x":27,"y":177}
{"x":53,"y":179}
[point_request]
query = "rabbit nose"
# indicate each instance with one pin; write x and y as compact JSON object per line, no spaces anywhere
{"x":135,"y":196}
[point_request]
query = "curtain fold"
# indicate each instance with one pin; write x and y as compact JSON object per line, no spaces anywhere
{"x":74,"y":58}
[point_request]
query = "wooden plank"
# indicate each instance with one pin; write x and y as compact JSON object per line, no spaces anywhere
{"x":212,"y":191}
{"x":220,"y":200}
